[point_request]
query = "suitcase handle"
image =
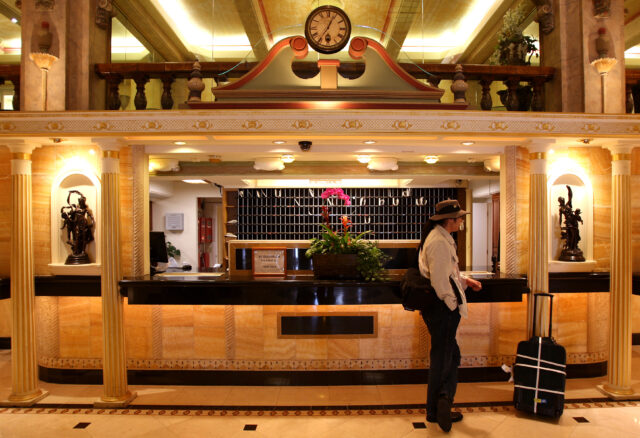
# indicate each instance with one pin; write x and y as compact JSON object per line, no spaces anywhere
{"x":536,"y":318}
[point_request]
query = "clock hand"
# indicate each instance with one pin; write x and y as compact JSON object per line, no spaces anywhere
{"x":328,"y":26}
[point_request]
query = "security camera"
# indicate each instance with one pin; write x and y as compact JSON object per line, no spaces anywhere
{"x":304,"y":145}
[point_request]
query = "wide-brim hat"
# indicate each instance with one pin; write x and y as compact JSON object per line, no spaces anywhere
{"x":449,"y":209}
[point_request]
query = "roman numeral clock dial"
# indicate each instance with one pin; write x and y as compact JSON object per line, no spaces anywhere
{"x":327,"y":29}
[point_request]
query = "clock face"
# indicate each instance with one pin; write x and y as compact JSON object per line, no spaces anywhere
{"x":327,"y":29}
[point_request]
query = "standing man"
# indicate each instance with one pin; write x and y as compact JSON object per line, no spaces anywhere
{"x":438,"y":262}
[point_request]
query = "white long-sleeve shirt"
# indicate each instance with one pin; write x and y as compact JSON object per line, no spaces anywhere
{"x":438,"y":262}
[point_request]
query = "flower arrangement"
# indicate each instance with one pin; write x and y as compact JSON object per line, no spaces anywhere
{"x":513,"y":46}
{"x":371,"y":259}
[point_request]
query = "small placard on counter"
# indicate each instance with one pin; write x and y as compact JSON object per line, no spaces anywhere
{"x":269,"y":262}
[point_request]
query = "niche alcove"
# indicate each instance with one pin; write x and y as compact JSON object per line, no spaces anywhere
{"x":88,"y":184}
{"x":562,"y":174}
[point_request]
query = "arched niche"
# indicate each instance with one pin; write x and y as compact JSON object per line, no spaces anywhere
{"x":88,"y":184}
{"x":562,"y":174}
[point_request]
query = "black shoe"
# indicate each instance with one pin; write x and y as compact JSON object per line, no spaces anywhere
{"x":444,"y":414}
{"x":455,"y":417}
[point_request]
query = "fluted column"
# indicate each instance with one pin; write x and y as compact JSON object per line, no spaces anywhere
{"x":24,"y":365}
{"x":538,"y":273}
{"x":619,"y":365}
{"x":114,"y":361}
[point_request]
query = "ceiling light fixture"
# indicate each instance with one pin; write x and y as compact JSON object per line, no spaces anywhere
{"x":14,"y":20}
{"x":431,"y":159}
{"x":369,"y":142}
{"x":287,"y":158}
{"x":268,"y":163}
{"x":383,"y":163}
{"x":179,"y":143}
{"x":467,"y":143}
{"x":364,"y":159}
{"x":279,"y":142}
{"x":195,"y":181}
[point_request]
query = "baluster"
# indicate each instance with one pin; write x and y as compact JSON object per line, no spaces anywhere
{"x":435,"y":81}
{"x":167,"y":100}
{"x":459,"y":86}
{"x":635,"y":92}
{"x":537,"y":104}
{"x":486,"y":103}
{"x":113,"y":84}
{"x":140,"y":100}
{"x":512,"y":97}
{"x":629,"y":99}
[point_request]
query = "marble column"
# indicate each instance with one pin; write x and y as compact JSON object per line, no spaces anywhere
{"x":24,"y":365}
{"x":538,"y":272}
{"x":618,"y":384}
{"x":114,"y":361}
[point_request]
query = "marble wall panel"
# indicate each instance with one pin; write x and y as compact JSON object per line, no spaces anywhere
{"x":570,"y":321}
{"x":378,"y":347}
{"x":95,"y":329}
{"x":343,"y":348}
{"x":312,"y":348}
{"x":5,"y":318}
{"x":75,"y":342}
{"x":138,"y":341}
{"x":177,"y":316}
{"x":177,"y":343}
{"x":43,"y":170}
{"x":74,"y":311}
{"x":209,"y":342}
{"x":249,"y":332}
{"x":599,"y":305}
{"x":635,"y":313}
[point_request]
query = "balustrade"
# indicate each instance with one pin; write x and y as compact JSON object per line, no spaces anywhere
{"x":523,"y":85}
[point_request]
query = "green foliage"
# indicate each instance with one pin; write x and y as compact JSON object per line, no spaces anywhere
{"x":371,"y":259}
{"x":172,"y":251}
{"x":513,"y":46}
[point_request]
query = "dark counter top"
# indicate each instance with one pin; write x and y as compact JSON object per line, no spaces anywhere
{"x":293,"y":290}
{"x":5,"y":291}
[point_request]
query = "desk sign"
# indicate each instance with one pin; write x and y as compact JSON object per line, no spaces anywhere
{"x":269,"y":262}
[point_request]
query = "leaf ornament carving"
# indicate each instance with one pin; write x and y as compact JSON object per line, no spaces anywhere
{"x":151,"y":125}
{"x":302,"y":124}
{"x":352,"y":124}
{"x":202,"y":124}
{"x":252,"y":124}
{"x":401,"y":124}
{"x":450,"y":125}
{"x":591,"y":127}
{"x":498,"y":126}
{"x":55,"y":126}
{"x":545,"y":126}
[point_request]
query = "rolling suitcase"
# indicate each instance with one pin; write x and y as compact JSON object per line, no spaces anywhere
{"x":539,"y":373}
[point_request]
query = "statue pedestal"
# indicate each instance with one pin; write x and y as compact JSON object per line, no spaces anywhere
{"x":86,"y":269}
{"x":559,"y":266}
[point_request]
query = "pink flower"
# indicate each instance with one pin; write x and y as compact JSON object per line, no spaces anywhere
{"x":336,"y":192}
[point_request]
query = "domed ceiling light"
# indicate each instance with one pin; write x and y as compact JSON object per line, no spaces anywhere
{"x":268,"y":163}
{"x":431,"y":159}
{"x":383,"y":163}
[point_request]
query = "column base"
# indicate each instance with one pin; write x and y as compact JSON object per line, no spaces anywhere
{"x":21,"y":401}
{"x":122,"y":402}
{"x":616,"y":393}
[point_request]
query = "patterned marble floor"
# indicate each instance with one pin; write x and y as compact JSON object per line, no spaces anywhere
{"x":347,"y":411}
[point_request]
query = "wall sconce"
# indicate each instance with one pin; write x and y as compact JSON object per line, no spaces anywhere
{"x":382,"y":164}
{"x":431,"y":159}
{"x":364,"y":159}
{"x":604,"y":63}
{"x":43,"y":59}
{"x":287,"y":158}
{"x":269,"y":164}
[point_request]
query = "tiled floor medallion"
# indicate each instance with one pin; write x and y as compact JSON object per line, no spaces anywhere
{"x":81,"y":425}
{"x":581,"y":419}
{"x":419,"y":426}
{"x":250,"y":427}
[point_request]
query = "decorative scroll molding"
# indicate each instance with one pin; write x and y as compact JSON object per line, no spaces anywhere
{"x":300,"y":365}
{"x":320,"y":121}
{"x":510,"y":263}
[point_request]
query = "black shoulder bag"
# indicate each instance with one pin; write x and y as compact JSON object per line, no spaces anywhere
{"x":417,"y":293}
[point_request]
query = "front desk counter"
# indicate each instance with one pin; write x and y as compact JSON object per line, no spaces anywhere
{"x":212,"y":288}
{"x":188,"y":328}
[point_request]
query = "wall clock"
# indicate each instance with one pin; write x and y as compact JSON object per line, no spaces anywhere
{"x":327,"y":29}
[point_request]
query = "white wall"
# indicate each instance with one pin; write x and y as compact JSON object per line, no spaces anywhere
{"x":184,"y":199}
{"x":481,"y":214}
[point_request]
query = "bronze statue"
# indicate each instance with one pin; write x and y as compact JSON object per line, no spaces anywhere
{"x":79,"y":222}
{"x":570,"y":232}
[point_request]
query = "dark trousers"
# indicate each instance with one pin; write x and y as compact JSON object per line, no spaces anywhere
{"x":445,"y":354}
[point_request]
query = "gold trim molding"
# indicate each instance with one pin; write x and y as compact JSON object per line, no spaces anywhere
{"x":538,"y":156}
{"x":621,"y":157}
{"x":20,"y":156}
{"x":111,"y":154}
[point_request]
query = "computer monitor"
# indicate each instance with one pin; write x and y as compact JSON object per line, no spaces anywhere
{"x":158,"y":247}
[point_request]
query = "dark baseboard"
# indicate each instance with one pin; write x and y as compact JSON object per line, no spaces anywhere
{"x":293,"y":378}
{"x":5,"y":343}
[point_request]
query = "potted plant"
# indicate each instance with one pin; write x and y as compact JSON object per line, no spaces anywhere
{"x":513,"y":46}
{"x":341,"y":254}
{"x":172,"y":251}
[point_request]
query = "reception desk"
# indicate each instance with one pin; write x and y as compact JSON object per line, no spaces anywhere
{"x":191,"y":329}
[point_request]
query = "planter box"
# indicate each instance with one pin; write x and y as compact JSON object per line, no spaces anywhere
{"x":336,"y":266}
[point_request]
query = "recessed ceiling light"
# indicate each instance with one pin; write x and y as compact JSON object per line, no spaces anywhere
{"x":195,"y":181}
{"x":14,"y":20}
{"x":363,"y":158}
{"x":92,"y":152}
{"x":279,"y":142}
{"x":369,"y":142}
{"x":287,"y":158}
{"x":467,"y":143}
{"x":431,"y":159}
{"x":180,"y":143}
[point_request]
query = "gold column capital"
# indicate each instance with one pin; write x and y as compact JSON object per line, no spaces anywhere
{"x":111,"y":154}
{"x":20,"y":156}
{"x":21,"y":147}
{"x":538,"y":156}
{"x":620,"y":157}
